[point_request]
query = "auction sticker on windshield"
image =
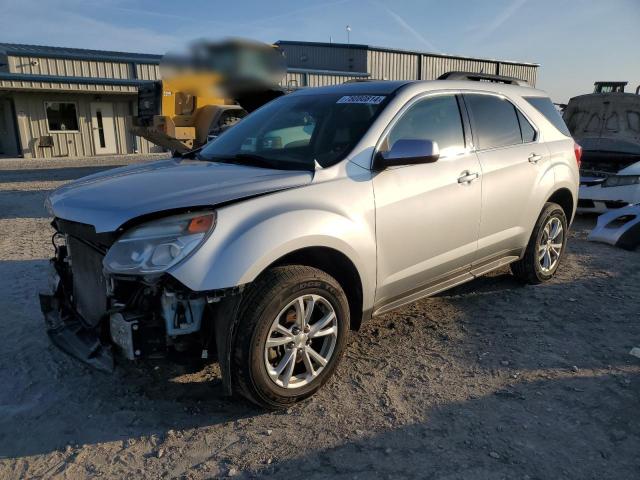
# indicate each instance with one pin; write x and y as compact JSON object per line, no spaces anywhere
{"x":367,"y":99}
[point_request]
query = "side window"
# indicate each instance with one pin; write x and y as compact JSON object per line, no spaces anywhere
{"x":528,"y":132}
{"x":435,"y":118}
{"x":494,"y":121}
{"x":61,"y":116}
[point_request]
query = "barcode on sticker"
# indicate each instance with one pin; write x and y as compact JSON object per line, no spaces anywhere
{"x":368,"y":99}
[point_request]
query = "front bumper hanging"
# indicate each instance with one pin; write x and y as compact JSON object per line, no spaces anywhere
{"x":66,"y":331}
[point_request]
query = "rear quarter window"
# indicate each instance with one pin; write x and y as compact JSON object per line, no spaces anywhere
{"x":546,"y":108}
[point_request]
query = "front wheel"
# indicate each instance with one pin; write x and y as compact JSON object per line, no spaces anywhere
{"x":292,"y":331}
{"x":546,"y":247}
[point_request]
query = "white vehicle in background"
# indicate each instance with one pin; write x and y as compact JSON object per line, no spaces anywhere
{"x":606,"y":124}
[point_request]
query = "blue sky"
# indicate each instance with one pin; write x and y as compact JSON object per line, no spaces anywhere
{"x":575,"y":41}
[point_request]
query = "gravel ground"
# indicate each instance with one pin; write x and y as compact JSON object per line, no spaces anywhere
{"x":490,"y":380}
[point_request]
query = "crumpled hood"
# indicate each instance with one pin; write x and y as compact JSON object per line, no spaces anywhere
{"x":108,"y":199}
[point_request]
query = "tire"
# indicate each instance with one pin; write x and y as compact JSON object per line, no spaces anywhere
{"x":530,"y":268}
{"x":264,"y":303}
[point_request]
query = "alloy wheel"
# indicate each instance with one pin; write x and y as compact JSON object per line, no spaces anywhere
{"x":550,"y":245}
{"x":301,"y":341}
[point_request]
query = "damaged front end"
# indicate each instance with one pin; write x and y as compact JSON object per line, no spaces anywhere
{"x":608,"y":181}
{"x":95,"y":312}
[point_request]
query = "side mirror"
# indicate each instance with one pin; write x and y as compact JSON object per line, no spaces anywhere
{"x":407,"y":152}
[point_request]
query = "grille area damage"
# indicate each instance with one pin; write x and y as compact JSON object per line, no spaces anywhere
{"x":98,"y":318}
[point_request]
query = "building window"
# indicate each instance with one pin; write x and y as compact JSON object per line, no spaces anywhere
{"x":62,"y":116}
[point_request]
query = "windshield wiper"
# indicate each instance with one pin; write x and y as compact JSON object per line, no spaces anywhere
{"x":257,"y":160}
{"x":241,"y":158}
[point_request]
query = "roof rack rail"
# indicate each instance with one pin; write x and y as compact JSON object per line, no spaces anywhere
{"x":483,"y":77}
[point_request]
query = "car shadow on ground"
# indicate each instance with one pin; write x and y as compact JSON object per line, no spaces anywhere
{"x":49,"y":400}
{"x":536,"y":430}
{"x":79,"y":406}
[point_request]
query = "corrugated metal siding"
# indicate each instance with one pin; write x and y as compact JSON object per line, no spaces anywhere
{"x":524,"y":72}
{"x":70,"y":68}
{"x":32,"y":124}
{"x":321,"y":80}
{"x":386,"y":64}
{"x":326,"y":58}
{"x":313,"y":79}
{"x":434,"y":66}
{"x":392,"y":66}
{"x":293,"y":80}
{"x":147,"y":71}
{"x":56,"y":86}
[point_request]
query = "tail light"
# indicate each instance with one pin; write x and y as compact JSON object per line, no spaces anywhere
{"x":577,"y":150}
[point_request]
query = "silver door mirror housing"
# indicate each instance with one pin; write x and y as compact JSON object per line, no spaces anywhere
{"x":407,"y":152}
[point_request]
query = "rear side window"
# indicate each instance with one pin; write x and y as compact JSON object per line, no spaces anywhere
{"x":495,"y":121}
{"x":546,"y":108}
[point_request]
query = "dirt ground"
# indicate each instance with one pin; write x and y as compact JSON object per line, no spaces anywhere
{"x":491,"y":380}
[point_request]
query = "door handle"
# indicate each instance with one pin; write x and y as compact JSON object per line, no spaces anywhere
{"x":535,"y":158}
{"x":468,"y":177}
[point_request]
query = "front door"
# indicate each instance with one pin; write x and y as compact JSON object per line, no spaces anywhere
{"x":427,"y":216}
{"x":103,"y":125}
{"x":8,"y":142}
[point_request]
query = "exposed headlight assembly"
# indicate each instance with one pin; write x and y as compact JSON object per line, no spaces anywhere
{"x":158,"y":245}
{"x":621,"y":180}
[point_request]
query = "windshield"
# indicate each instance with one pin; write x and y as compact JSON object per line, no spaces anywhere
{"x":293,"y":132}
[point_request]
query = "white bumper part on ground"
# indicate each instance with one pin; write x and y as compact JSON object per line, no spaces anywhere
{"x":620,"y":227}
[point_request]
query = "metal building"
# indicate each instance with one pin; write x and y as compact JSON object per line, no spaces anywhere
{"x":75,"y":102}
{"x":70,"y":102}
{"x":314,"y":64}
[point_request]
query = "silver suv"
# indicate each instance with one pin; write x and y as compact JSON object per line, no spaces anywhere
{"x":318,"y":211}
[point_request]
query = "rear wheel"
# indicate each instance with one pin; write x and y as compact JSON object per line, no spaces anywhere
{"x":546,"y":247}
{"x":292,"y":332}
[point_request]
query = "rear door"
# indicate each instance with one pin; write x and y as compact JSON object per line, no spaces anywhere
{"x":513,"y":163}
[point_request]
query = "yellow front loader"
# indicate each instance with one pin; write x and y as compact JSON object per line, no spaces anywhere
{"x":202,"y":94}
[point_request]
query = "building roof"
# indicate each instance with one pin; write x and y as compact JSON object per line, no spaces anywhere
{"x":360,"y":46}
{"x":23,"y":50}
{"x":19,"y":77}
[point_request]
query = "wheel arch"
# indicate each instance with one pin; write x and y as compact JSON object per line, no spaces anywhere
{"x":564,"y":198}
{"x":336,"y":264}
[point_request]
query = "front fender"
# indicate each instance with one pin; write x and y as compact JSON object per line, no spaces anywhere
{"x":252,"y":235}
